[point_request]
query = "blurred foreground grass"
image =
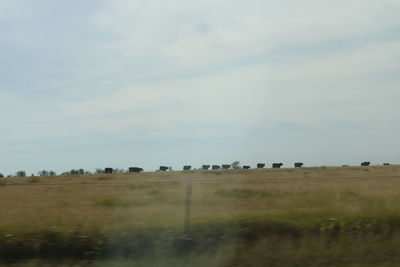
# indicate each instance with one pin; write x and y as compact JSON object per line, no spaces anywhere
{"x":322,"y":216}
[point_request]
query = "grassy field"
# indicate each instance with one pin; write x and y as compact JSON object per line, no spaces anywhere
{"x":322,"y":216}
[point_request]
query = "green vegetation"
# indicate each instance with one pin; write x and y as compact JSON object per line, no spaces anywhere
{"x":112,"y":202}
{"x":33,"y":180}
{"x":247,"y":241}
{"x":105,"y":178}
{"x":246,"y":193}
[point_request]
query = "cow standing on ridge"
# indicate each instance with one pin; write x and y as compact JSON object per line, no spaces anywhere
{"x":135,"y":169}
{"x":226,"y":166}
{"x":108,"y":170}
{"x":260,"y":165}
{"x":205,"y":167}
{"x":163,"y":168}
{"x":277,"y":165}
{"x":298,"y":164}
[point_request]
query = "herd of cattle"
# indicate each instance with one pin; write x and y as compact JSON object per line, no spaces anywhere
{"x":225,"y":167}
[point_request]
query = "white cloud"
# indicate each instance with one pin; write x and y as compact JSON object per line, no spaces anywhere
{"x":169,"y":30}
{"x":234,"y":77}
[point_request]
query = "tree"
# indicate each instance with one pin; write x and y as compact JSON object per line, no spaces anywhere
{"x":236,"y":165}
{"x":46,"y":173}
{"x":73,"y":172}
{"x":20,"y":174}
{"x":43,"y":173}
{"x":1,"y":175}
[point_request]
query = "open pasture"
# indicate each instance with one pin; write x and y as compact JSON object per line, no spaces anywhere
{"x":292,"y":212}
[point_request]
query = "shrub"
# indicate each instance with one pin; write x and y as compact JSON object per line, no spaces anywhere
{"x":20,"y":174}
{"x":46,"y":173}
{"x":105,"y":178}
{"x":33,"y":180}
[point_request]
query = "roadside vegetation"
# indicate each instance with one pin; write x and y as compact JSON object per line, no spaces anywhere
{"x":324,"y":216}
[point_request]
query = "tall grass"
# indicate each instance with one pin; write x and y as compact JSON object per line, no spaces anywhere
{"x":287,"y":217}
{"x":256,"y":241}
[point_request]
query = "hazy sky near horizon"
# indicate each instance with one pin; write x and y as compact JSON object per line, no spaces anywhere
{"x":118,"y":83}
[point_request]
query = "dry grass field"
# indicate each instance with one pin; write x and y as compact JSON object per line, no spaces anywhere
{"x":321,"y":216}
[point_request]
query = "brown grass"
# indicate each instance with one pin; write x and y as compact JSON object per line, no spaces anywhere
{"x":326,"y":216}
{"x":157,"y":199}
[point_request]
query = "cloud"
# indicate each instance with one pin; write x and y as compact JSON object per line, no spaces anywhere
{"x":222,"y":78}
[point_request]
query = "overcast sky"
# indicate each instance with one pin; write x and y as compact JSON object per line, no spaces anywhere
{"x":119,"y":83}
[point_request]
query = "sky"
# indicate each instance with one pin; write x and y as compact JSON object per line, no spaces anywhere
{"x":118,"y":83}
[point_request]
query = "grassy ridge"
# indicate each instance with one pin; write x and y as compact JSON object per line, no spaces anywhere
{"x":288,"y":217}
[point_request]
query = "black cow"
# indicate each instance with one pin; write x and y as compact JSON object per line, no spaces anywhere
{"x":135,"y":169}
{"x":205,"y":167}
{"x":260,"y":165}
{"x":215,"y":167}
{"x":163,"y":168}
{"x":226,"y":166}
{"x":245,"y":167}
{"x":187,"y":167}
{"x":386,"y":164}
{"x":277,"y":165}
{"x":298,"y":164}
{"x":108,"y":170}
{"x":365,"y":163}
{"x":345,"y":166}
